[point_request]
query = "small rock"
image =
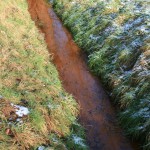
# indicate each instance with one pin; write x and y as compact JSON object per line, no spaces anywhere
{"x":9,"y":132}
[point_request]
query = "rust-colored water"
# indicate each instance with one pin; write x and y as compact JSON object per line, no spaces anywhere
{"x":96,"y":113}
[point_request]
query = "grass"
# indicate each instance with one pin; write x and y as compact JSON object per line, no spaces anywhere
{"x":115,"y":35}
{"x":29,"y":80}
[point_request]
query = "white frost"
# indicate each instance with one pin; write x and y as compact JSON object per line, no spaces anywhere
{"x":19,"y":120}
{"x":41,"y":148}
{"x":77,"y":140}
{"x":93,"y":37}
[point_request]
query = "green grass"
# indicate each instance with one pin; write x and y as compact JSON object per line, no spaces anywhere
{"x":115,"y":35}
{"x":28,"y":75}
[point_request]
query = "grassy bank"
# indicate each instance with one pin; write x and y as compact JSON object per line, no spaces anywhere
{"x":115,"y":34}
{"x":35,"y":111}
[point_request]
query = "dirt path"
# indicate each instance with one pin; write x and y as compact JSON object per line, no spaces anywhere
{"x":96,"y":113}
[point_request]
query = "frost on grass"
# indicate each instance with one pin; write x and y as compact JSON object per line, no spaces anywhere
{"x":45,"y":148}
{"x":78,"y":140}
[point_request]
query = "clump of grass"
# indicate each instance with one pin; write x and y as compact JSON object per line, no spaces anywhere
{"x":115,"y":34}
{"x":30,"y":80}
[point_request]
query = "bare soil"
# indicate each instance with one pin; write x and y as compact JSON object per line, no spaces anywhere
{"x":96,"y":112}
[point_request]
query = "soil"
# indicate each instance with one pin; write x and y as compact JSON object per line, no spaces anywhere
{"x":97,"y":114}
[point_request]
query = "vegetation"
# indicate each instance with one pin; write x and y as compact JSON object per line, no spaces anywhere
{"x":115,"y":34}
{"x":35,"y":111}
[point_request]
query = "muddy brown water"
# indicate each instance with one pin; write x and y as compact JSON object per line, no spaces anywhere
{"x":96,"y":112}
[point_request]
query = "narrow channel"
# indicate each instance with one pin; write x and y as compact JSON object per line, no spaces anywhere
{"x":96,"y":112}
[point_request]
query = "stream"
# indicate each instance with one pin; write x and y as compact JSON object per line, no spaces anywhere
{"x":97,"y":115}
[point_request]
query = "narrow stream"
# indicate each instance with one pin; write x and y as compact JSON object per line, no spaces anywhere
{"x":96,"y":113}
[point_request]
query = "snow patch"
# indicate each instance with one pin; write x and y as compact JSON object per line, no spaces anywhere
{"x":21,"y":110}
